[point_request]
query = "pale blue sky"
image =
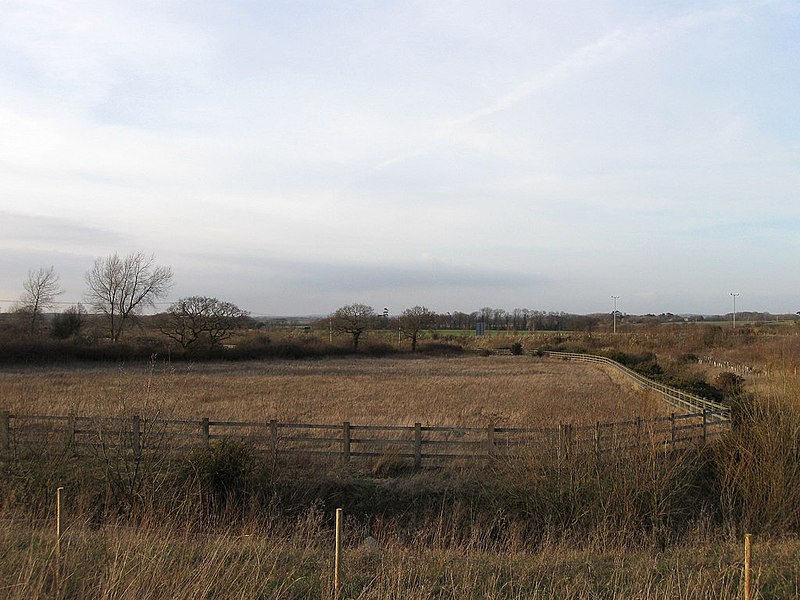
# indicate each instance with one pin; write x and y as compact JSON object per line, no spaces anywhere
{"x":293,"y":157}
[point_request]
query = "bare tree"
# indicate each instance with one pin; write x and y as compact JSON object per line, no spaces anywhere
{"x":121,"y":287}
{"x":201,"y":320}
{"x":354,"y":319}
{"x":413,"y":321}
{"x":41,"y":288}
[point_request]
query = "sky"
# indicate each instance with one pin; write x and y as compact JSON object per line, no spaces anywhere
{"x":293,"y":157}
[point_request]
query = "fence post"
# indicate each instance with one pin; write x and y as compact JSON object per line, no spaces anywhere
{"x":672,"y":430}
{"x":639,"y":432}
{"x":57,"y":554}
{"x":204,"y":431}
{"x":417,"y":445}
{"x":613,"y":439}
{"x":273,"y":439}
{"x":5,"y":430}
{"x":490,"y":440}
{"x":705,"y":427}
{"x":597,"y":438}
{"x":747,"y":560}
{"x":337,"y":556}
{"x":569,"y":441}
{"x":59,"y":528}
{"x":561,"y":442}
{"x":70,"y":430}
{"x":136,"y":440}
{"x":346,"y":441}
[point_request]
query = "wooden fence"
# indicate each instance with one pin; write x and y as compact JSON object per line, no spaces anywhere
{"x":679,"y":399}
{"x":22,"y":435}
{"x":701,"y":420}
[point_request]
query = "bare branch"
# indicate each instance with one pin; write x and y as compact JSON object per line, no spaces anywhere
{"x":203,"y":320}
{"x":121,"y":287}
{"x":41,"y":288}
{"x":353,"y":319}
{"x":413,"y":321}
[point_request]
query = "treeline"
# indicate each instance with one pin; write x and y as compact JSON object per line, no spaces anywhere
{"x":518,"y":319}
{"x":121,"y":289}
{"x":493,"y":319}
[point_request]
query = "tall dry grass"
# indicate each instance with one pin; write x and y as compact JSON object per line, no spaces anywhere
{"x":759,"y":461}
{"x":511,"y":391}
{"x":254,"y":561}
{"x":640,"y":525}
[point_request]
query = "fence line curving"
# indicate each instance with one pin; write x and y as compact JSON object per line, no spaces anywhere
{"x":689,"y":403}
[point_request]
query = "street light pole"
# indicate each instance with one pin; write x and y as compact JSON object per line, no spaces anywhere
{"x":734,"y":308}
{"x":615,"y":312}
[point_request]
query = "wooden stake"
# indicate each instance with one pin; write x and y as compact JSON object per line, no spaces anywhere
{"x":58,"y":523}
{"x":57,"y":565}
{"x":273,"y":441}
{"x":346,"y":441}
{"x":5,"y":430}
{"x":337,"y":562}
{"x":672,"y":430}
{"x":747,"y":566}
{"x":136,"y":436}
{"x":417,"y":445}
{"x":204,"y":431}
{"x":705,"y":426}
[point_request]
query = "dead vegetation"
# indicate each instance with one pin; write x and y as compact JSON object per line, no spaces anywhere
{"x":512,"y":391}
{"x":219,"y":525}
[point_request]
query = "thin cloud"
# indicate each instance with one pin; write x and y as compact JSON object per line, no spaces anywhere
{"x":609,"y":48}
{"x":606,"y":49}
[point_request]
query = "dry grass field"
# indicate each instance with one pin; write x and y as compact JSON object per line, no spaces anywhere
{"x":221,"y":522}
{"x":513,"y":391}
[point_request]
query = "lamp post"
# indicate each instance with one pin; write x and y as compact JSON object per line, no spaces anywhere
{"x":734,"y":308}
{"x":615,"y":312}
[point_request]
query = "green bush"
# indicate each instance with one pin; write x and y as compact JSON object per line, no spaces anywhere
{"x":225,"y":473}
{"x":69,"y":323}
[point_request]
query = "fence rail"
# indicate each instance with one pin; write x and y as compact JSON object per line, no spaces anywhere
{"x":674,"y":397}
{"x":417,"y":444}
{"x":700,"y":421}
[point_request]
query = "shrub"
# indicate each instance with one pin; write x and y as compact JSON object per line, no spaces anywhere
{"x":225,"y":474}
{"x":729,"y":383}
{"x":69,"y":323}
{"x":696,"y":384}
{"x":687,"y":358}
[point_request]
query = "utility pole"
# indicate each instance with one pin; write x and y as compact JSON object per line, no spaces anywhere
{"x":615,"y":312}
{"x":734,"y":308}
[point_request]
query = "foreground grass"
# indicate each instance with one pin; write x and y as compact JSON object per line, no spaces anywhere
{"x":647,"y":525}
{"x":165,"y":562}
